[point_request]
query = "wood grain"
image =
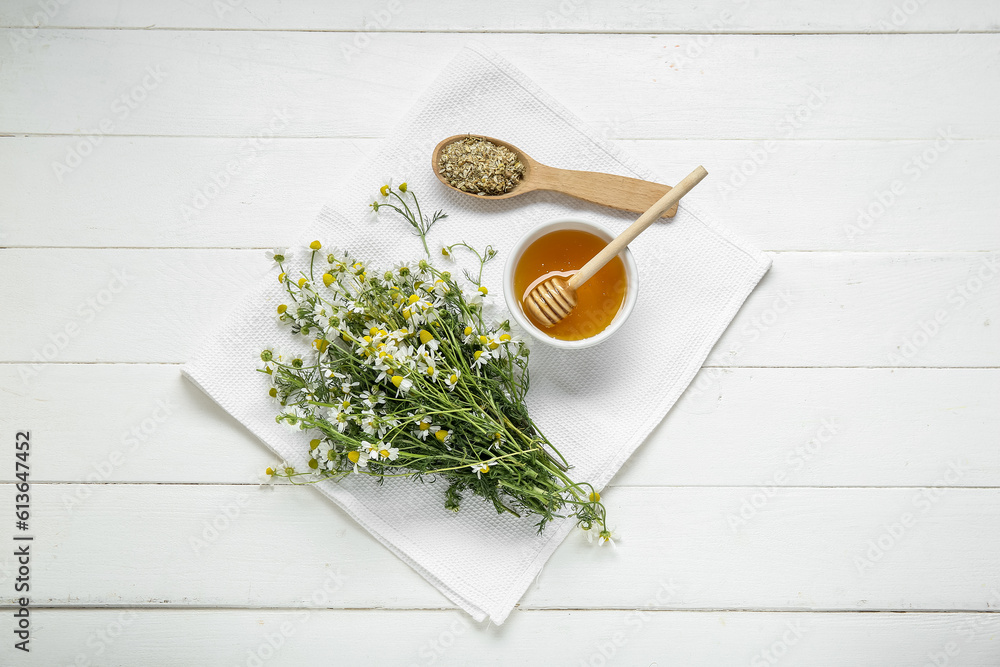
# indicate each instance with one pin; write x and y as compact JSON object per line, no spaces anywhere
{"x":551,"y":637}
{"x":373,"y":17}
{"x":199,"y":82}
{"x":769,"y":427}
{"x":123,"y":544}
{"x":822,"y":142}
{"x":898,"y":309}
{"x":162,"y":191}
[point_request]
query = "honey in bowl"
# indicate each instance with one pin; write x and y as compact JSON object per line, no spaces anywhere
{"x":563,"y":253}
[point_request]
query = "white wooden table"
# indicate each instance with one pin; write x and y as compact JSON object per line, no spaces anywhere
{"x":828,"y":493}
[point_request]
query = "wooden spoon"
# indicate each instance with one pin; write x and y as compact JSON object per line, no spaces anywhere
{"x":629,"y":194}
{"x":553,"y":299}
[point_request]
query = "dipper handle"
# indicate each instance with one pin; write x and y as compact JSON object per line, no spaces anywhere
{"x":639,"y":226}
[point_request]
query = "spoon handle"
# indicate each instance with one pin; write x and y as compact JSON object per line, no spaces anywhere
{"x":645,"y":220}
{"x":621,"y":192}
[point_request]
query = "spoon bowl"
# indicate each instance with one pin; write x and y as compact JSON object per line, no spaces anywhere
{"x":621,"y":192}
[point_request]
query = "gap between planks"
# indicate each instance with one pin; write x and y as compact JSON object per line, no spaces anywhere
{"x":151,"y":606}
{"x":514,"y":31}
{"x":610,"y":486}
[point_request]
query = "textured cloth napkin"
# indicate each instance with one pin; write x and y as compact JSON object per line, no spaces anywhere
{"x":596,"y":405}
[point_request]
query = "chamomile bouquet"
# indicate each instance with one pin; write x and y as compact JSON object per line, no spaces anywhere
{"x":407,"y":378}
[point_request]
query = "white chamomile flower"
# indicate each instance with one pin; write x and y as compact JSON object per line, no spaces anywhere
{"x":604,"y":537}
{"x":441,"y":288}
{"x":368,"y":422}
{"x":319,"y":311}
{"x":372,"y":398}
{"x":480,"y":469}
{"x":358,"y":458}
{"x":404,"y":269}
{"x":442,"y":434}
{"x":278,"y":254}
{"x":384,"y":191}
{"x":385,"y":425}
{"x":385,"y":452}
{"x":370,"y":448}
{"x":340,"y":419}
{"x":422,"y":428}
{"x":498,"y":339}
{"x":480,"y":358}
{"x":451,"y":379}
{"x":291,"y":419}
{"x":446,"y":254}
{"x":479,"y":297}
{"x":403,"y":385}
{"x":267,"y":477}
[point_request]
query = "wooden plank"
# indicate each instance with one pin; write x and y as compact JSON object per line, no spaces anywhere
{"x":372,"y":17}
{"x":742,"y":427}
{"x":910,"y":309}
{"x":639,"y":637}
{"x":176,"y":191}
{"x":210,"y":83}
{"x":877,"y":549}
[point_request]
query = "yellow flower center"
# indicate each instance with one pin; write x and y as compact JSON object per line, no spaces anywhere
{"x":430,"y":370}
{"x":477,"y":354}
{"x":328,"y":279}
{"x":595,"y":497}
{"x":425,"y":336}
{"x":424,"y":425}
{"x":315,"y":245}
{"x":483,"y":291}
{"x":313,"y":444}
{"x":282,"y":308}
{"x":505,"y":337}
{"x":453,"y":378}
{"x":484,"y":469}
{"x":384,"y":453}
{"x":313,"y":463}
{"x":384,"y":190}
{"x":441,"y":435}
{"x":397,"y":380}
{"x":413,"y":298}
{"x":302,"y":282}
{"x":467,"y":331}
{"x":281,"y":277}
{"x":321,"y":344}
{"x":354,"y":457}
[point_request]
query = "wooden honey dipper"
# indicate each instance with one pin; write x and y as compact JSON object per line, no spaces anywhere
{"x":552,"y":300}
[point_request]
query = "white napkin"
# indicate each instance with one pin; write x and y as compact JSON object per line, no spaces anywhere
{"x":596,"y":405}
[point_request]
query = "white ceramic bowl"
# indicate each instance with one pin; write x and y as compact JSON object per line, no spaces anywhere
{"x":514,"y":302}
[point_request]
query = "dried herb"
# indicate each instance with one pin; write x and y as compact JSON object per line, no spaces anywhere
{"x":480,"y":167}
